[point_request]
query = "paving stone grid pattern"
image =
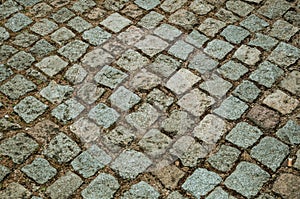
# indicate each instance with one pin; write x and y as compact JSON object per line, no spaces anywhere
{"x":149,"y":99}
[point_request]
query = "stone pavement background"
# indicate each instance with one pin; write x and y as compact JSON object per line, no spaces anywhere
{"x":149,"y":99}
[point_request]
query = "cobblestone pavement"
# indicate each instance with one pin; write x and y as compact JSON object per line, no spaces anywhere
{"x":151,"y":99}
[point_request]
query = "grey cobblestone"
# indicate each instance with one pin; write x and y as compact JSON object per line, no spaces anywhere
{"x":202,"y":63}
{"x":42,"y":48}
{"x":110,"y":77}
{"x":247,"y":91}
{"x":232,"y":70}
{"x":17,"y":22}
{"x":244,"y":135}
{"x":39,"y":170}
{"x":51,"y":65}
{"x":96,"y":36}
{"x":201,"y":182}
{"x":73,"y":50}
{"x":218,"y":48}
{"x":263,"y":41}
{"x":18,"y":147}
{"x":124,"y":98}
{"x":24,"y":39}
{"x":21,"y":60}
{"x":129,"y":164}
{"x":56,"y":93}
{"x":62,"y":148}
{"x":288,"y":132}
{"x":104,"y":115}
{"x":247,"y":179}
{"x":141,"y":190}
{"x":254,"y":23}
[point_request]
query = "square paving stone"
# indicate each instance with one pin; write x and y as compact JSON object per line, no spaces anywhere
{"x":247,"y":91}
{"x":124,"y":98}
{"x":172,"y":5}
{"x":144,"y":80}
{"x":4,"y":171}
{"x":247,"y":55}
{"x":17,"y":22}
{"x":291,"y":82}
{"x":182,"y":81}
{"x":15,"y":190}
{"x":281,"y":102}
{"x":115,"y":22}
{"x":18,"y":147}
{"x":266,"y":74}
{"x":164,"y":65}
{"x":274,"y":8}
{"x":51,"y":65}
{"x":114,"y":46}
{"x":96,"y":36}
{"x":39,"y":170}
{"x":218,"y":48}
{"x":196,"y":102}
{"x":225,"y":158}
{"x":132,"y":60}
{"x":21,"y":60}
{"x":201,"y":182}
{"x":63,"y":15}
{"x":283,"y":30}
{"x":201,"y":7}
{"x":97,"y":58}
{"x":284,"y":54}
{"x":67,"y":111}
{"x":36,"y":75}
{"x":197,"y":39}
{"x":30,"y":108}
{"x":181,"y":50}
{"x":62,"y":148}
{"x":7,"y":8}
{"x":62,"y":35}
{"x":169,"y":175}
{"x":167,"y":32}
{"x":119,"y":138}
{"x":6,"y":51}
{"x":263,"y":117}
{"x":188,"y":150}
{"x":141,"y":190}
{"x":254,"y":23}
{"x":42,"y":48}
{"x":73,"y":50}
{"x":263,"y":41}
{"x":210,"y":27}
{"x":110,"y":77}
{"x":231,"y":108}
{"x":151,"y":20}
{"x":210,"y":129}
{"x":79,"y":24}
{"x":64,"y":186}
{"x":130,"y":163}
{"x":90,"y":161}
{"x":178,"y":123}
{"x":240,"y":8}
{"x":104,"y":115}
{"x":235,"y":34}
{"x":289,"y":132}
{"x":41,"y":10}
{"x":202,"y":63}
{"x":24,"y":39}
{"x":103,"y":186}
{"x":86,"y":130}
{"x":151,"y":45}
{"x":277,"y":152}
{"x":4,"y":35}
{"x":147,"y":4}
{"x":216,"y":86}
{"x":232,"y":70}
{"x":293,"y":17}
{"x":83,"y":5}
{"x":90,"y":92}
{"x":226,"y":16}
{"x":130,"y":36}
{"x":244,"y":135}
{"x":154,"y":143}
{"x":56,"y":93}
{"x":143,"y":118}
{"x":44,"y":27}
{"x":247,"y":179}
{"x":17,"y":87}
{"x":159,"y":99}
{"x":76,"y":74}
